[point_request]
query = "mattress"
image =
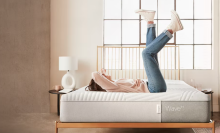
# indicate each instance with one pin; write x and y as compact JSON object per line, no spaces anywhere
{"x":181,"y":103}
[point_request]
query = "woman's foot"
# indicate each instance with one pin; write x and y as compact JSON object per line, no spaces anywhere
{"x":147,"y":14}
{"x":175,"y":24}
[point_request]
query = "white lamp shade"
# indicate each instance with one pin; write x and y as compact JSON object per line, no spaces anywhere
{"x":68,"y":63}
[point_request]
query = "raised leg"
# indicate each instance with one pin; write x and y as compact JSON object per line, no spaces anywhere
{"x":156,"y":82}
{"x":158,"y":43}
{"x":150,"y":36}
{"x":151,"y":33}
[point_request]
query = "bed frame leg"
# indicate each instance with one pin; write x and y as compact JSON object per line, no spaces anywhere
{"x":213,"y":128}
{"x":56,"y":129}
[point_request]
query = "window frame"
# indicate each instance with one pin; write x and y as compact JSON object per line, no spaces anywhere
{"x":174,"y":36}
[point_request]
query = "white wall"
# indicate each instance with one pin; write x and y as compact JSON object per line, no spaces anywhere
{"x":76,"y":30}
{"x":208,"y":78}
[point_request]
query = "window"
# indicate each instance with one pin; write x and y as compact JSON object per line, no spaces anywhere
{"x":123,"y":27}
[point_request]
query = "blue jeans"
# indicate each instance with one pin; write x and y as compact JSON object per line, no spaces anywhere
{"x":156,"y":82}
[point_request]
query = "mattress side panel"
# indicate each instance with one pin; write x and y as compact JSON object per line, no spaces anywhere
{"x":188,"y":111}
{"x":109,"y":112}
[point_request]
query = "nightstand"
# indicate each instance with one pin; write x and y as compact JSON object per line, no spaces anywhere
{"x":58,"y":99}
{"x":210,"y":92}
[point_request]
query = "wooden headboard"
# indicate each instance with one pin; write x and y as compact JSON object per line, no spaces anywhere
{"x":126,"y":62}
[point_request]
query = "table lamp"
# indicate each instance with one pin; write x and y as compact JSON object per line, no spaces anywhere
{"x":67,"y":63}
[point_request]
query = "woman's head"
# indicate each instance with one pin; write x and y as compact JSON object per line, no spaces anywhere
{"x":93,"y":86}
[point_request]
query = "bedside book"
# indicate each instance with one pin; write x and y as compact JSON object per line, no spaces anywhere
{"x":207,"y":90}
{"x":66,"y":90}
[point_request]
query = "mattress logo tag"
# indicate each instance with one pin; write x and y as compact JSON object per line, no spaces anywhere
{"x":170,"y":108}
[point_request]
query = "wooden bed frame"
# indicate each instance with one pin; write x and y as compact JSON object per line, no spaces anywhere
{"x":134,"y":125}
{"x":103,"y":61}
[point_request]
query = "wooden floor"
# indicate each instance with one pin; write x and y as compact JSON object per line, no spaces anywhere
{"x":44,"y":123}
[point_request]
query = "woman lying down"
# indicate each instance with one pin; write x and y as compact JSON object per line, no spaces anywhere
{"x":156,"y":83}
{"x":102,"y":82}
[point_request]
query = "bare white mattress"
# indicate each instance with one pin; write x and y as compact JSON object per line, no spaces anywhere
{"x":181,"y":103}
{"x":176,"y":91}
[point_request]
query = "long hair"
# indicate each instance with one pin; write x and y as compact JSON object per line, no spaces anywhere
{"x":93,"y":86}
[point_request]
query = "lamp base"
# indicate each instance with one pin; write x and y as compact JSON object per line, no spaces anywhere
{"x":64,"y":81}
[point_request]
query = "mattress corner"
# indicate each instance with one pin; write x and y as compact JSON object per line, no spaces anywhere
{"x":199,"y":96}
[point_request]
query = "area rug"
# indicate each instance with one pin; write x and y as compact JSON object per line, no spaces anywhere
{"x":208,"y":130}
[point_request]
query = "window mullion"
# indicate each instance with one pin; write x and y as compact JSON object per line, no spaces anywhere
{"x":121,"y":41}
{"x":193,"y":38}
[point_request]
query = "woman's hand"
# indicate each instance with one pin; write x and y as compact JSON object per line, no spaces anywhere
{"x":102,"y":71}
{"x":138,"y":82}
{"x":108,"y":77}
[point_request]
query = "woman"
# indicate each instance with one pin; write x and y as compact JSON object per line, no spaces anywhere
{"x":156,"y":83}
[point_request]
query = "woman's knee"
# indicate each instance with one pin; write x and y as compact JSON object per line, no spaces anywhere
{"x":163,"y":90}
{"x":145,"y":53}
{"x":158,"y":89}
